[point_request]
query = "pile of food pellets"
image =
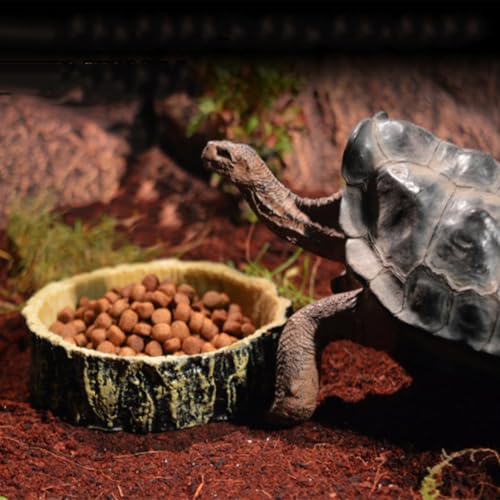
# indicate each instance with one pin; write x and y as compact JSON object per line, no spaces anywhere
{"x":154,"y":318}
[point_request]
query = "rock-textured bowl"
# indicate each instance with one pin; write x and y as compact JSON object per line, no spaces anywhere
{"x":142,"y":393}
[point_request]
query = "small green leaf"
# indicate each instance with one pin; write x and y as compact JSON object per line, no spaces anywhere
{"x":215,"y":180}
{"x":207,"y":105}
{"x":252,"y":124}
{"x":194,"y":124}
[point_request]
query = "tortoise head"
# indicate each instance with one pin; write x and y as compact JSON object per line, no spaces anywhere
{"x":238,"y":162}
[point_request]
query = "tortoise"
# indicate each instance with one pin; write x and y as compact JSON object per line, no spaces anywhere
{"x":419,"y":221}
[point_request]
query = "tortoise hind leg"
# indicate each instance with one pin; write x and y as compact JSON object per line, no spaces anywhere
{"x":299,"y":349}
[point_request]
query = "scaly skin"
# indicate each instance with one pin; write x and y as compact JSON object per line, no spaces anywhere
{"x":312,"y":224}
{"x":309,"y":223}
{"x":297,"y":375}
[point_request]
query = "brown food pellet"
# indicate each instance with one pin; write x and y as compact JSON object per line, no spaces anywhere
{"x":219,"y":316}
{"x":161,"y":332}
{"x":215,"y":300}
{"x":180,"y":330}
{"x":154,"y":318}
{"x":126,"y":351}
{"x":232,"y":327}
{"x":172,"y":345}
{"x":66,"y":315}
{"x":116,"y":336}
{"x":235,"y":316}
{"x":181,"y":298}
{"x":196,"y":321}
{"x":187,"y":290}
{"x":135,"y":342}
{"x":83,"y":301}
{"x":106,"y":347}
{"x":197,"y":305}
{"x":118,"y":307}
{"x":142,"y":329}
{"x":103,"y":320}
{"x":153,"y":348}
{"x":247,"y":329}
{"x":98,"y":336}
{"x":182,"y":312}
{"x":151,"y":282}
{"x":223,"y":340}
{"x":212,"y":300}
{"x":70,"y":340}
{"x":234,"y":308}
{"x":79,"y":313}
{"x":102,"y":305}
{"x":192,"y":345}
{"x":128,"y":320}
{"x":89,"y":316}
{"x":160,"y":299}
{"x":137,"y":292}
{"x":79,"y":325}
{"x":56,"y":327}
{"x":81,"y":339}
{"x":209,"y":329}
{"x":68,"y":330}
{"x":126,"y":291}
{"x":207,"y":347}
{"x":144,"y":309}
{"x":168,"y":289}
{"x":111,"y":296}
{"x":161,"y":316}
{"x":89,"y":331}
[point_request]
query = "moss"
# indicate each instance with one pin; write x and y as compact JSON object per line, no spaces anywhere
{"x":43,"y":248}
{"x":429,"y":488}
{"x":294,"y":281}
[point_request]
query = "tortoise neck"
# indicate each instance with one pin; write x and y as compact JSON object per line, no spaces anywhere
{"x":282,"y":211}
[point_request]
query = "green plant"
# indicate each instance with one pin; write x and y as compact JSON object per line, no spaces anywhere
{"x":429,"y":488}
{"x":285,"y":276}
{"x":253,"y":103}
{"x":43,"y":248}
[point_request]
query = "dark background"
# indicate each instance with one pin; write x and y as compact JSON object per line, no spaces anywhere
{"x":44,"y":47}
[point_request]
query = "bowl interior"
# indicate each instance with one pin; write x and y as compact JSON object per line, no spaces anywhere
{"x":257,"y":297}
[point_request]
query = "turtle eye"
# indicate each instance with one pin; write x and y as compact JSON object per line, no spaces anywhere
{"x":224,"y":153}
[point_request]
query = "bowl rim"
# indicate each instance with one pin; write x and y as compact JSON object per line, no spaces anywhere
{"x":40,"y":330}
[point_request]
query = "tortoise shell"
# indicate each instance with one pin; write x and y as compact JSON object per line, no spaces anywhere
{"x":422,"y":220}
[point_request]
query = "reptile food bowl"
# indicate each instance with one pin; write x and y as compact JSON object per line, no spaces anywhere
{"x":142,"y":393}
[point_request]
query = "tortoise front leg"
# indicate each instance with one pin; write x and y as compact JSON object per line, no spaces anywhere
{"x":299,"y":349}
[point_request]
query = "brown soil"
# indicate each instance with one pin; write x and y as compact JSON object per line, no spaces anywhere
{"x":376,"y":431}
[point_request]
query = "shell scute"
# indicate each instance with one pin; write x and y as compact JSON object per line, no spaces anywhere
{"x":466,"y":246}
{"x":422,"y":218}
{"x":361,"y":155}
{"x":467,"y":167}
{"x":403,"y":141}
{"x":472,"y":319}
{"x":408,"y":201}
{"x":427,"y":300}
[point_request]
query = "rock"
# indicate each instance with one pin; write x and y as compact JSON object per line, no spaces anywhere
{"x":45,"y":146}
{"x":454,"y":98}
{"x":156,"y":176}
{"x":174,"y":113}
